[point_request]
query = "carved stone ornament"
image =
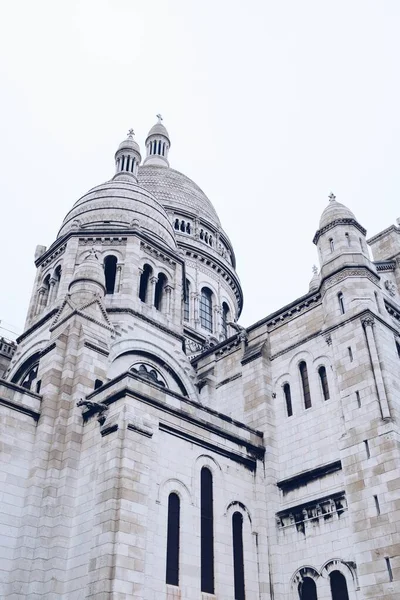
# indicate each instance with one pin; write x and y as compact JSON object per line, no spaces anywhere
{"x":97,"y":407}
{"x":391,"y":288}
{"x":368,"y":321}
{"x":328,"y":340}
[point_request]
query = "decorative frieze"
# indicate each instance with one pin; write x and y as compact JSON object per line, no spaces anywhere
{"x":155,"y":253}
{"x":316,"y":512}
{"x":54,"y":255}
{"x":102,"y":241}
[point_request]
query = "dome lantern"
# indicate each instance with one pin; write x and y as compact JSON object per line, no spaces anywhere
{"x":127,"y":158}
{"x":157,"y":145}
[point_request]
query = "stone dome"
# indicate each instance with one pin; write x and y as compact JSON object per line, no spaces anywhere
{"x":90,"y":269}
{"x":333,"y":212}
{"x":129,"y":144}
{"x":176,"y":191}
{"x":158,"y":129}
{"x":118,"y":205}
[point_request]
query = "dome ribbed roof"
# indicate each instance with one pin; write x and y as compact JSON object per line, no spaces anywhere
{"x":175,"y":190}
{"x":129,"y":144}
{"x":158,"y":129}
{"x":116,"y":204}
{"x":335,"y":211}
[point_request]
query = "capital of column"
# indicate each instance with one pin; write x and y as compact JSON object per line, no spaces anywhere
{"x":368,"y":321}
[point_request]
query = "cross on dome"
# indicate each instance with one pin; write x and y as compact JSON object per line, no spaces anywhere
{"x":130,"y":134}
{"x":159,"y":117}
{"x":331,"y":197}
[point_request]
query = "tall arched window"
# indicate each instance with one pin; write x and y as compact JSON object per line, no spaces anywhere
{"x":57,"y":276}
{"x":238,"y":563}
{"x":341,"y":303}
{"x":110,"y":272}
{"x":347,"y":238}
{"x":144,"y":282}
{"x":338,"y":586}
{"x":305,"y":384}
{"x":160,"y":291}
{"x":308,"y":589}
{"x":288,"y":399}
{"x":186,"y":305}
{"x":206,"y":531}
{"x":331,"y":244}
{"x":206,"y":314}
{"x":46,"y":291}
{"x":225,"y":319}
{"x":172,"y":573}
{"x":324,"y":382}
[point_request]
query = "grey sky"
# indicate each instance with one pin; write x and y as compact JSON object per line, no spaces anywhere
{"x":270,"y":105}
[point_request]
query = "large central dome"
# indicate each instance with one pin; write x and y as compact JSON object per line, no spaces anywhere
{"x":176,"y":191}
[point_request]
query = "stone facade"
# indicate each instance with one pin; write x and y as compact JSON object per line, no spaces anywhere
{"x":133,"y":385}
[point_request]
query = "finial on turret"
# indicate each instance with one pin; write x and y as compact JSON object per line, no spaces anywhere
{"x":159,"y":117}
{"x":130,"y":134}
{"x":332,"y":197}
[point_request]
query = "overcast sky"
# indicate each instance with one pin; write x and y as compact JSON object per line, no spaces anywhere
{"x":270,"y":106}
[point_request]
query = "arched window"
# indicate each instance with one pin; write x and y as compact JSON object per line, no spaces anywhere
{"x":206,"y":315}
{"x":110,"y":272}
{"x":159,"y":291}
{"x":172,"y":573}
{"x":308,"y":589}
{"x":186,"y":306}
{"x":29,"y":381}
{"x":331,"y":244}
{"x":341,"y":303}
{"x":346,"y":235}
{"x":206,"y":531}
{"x":182,"y":225}
{"x":338,"y":586}
{"x":305,"y":384}
{"x":45,"y":292}
{"x":187,"y":227}
{"x":176,"y":224}
{"x":288,"y":399}
{"x":201,"y":234}
{"x":238,"y":563}
{"x":225,"y":319}
{"x":324,"y":382}
{"x":144,"y":282}
{"x":57,"y":277}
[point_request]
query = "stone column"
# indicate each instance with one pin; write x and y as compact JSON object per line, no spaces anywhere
{"x":52,"y":284}
{"x":151,"y":291}
{"x":196,"y":312}
{"x":40,"y":300}
{"x":168,"y":298}
{"x":368,"y":323}
{"x":118,"y":277}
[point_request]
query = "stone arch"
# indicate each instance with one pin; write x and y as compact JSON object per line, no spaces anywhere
{"x":347,"y":568}
{"x":25,"y":367}
{"x":298,"y":357}
{"x":299,"y":576}
{"x":173,"y":485}
{"x":205,"y":460}
{"x":237,"y":506}
{"x":210,"y":285}
{"x":147,"y":349}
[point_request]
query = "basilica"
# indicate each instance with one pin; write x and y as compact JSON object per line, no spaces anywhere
{"x":153,"y":448}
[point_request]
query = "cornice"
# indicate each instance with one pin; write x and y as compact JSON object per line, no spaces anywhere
{"x":97,"y":235}
{"x":352,"y":222}
{"x":385,"y":265}
{"x":383,"y":233}
{"x":38,"y":324}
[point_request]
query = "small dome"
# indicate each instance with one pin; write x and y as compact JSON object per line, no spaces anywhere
{"x":333,"y":212}
{"x":158,"y":129}
{"x":117,"y":204}
{"x":315,"y":280}
{"x":129,"y":144}
{"x":90,"y":271}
